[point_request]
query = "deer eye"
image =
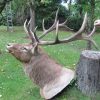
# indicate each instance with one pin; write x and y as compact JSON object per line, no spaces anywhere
{"x":24,"y":49}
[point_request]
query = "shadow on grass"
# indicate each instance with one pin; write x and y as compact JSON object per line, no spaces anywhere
{"x":63,"y":92}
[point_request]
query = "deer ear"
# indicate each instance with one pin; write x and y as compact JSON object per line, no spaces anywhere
{"x":35,"y":49}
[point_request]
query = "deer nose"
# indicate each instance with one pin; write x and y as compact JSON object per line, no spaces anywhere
{"x":9,"y":45}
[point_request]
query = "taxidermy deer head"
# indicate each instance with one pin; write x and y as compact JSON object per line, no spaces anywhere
{"x":50,"y":76}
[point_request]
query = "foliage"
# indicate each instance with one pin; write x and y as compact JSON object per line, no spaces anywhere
{"x":48,"y":14}
{"x":19,"y":7}
{"x":75,"y":22}
{"x":86,"y":6}
{"x":2,"y":4}
{"x":46,"y":9}
{"x":2,"y":14}
{"x":97,"y":9}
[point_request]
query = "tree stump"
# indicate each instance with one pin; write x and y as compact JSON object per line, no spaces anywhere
{"x":88,"y":72}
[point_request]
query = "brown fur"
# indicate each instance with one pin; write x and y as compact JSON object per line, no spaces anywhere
{"x":38,"y":66}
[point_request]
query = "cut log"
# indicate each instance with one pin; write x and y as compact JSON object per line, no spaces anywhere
{"x":88,"y":72}
{"x":56,"y":86}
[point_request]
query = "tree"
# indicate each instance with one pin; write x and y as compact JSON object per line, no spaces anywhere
{"x":32,"y":13}
{"x":88,"y":77}
{"x":2,"y":4}
{"x":87,"y":6}
{"x":42,"y":9}
{"x":43,"y":4}
{"x":91,"y":20}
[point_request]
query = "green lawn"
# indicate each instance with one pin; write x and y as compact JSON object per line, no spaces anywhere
{"x":15,"y":85}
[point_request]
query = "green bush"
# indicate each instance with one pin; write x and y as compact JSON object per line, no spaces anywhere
{"x":74,"y":22}
{"x":3,"y":18}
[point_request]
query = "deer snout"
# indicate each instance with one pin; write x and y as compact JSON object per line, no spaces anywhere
{"x":9,"y":45}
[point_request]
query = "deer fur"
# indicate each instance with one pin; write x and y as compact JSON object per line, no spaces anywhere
{"x":41,"y":69}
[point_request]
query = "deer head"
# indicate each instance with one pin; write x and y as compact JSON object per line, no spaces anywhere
{"x":22,"y":52}
{"x":42,"y":70}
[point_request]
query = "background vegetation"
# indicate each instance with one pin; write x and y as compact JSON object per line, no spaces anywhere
{"x":46,"y":9}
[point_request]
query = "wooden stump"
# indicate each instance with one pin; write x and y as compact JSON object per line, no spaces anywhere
{"x":88,"y":72}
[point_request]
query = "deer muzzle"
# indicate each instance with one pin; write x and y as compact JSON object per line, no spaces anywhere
{"x":9,"y":46}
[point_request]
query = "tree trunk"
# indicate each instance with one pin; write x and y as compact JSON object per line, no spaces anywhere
{"x":88,"y":72}
{"x":88,"y":30}
{"x":91,"y":21}
{"x":32,"y":15}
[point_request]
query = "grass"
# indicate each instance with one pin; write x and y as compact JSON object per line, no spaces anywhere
{"x":15,"y":85}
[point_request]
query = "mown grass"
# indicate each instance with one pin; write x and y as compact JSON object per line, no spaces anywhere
{"x":15,"y":85}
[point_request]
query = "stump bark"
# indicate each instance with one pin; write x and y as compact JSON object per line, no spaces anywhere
{"x":88,"y":72}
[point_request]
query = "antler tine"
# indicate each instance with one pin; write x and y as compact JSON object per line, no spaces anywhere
{"x":29,"y":21}
{"x":27,"y":30}
{"x":43,"y":25}
{"x":96,"y":23}
{"x":92,"y":41}
{"x":57,"y":26}
{"x":63,"y":22}
{"x":94,"y":29}
{"x":51,"y":28}
{"x":53,"y":24}
{"x":89,"y":37}
{"x":64,"y":25}
{"x":56,"y":15}
{"x":34,"y":34}
{"x":56,"y":38}
{"x":83,"y":24}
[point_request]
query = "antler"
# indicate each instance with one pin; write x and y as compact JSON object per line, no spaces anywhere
{"x":46,"y":31}
{"x":33,"y":37}
{"x":76,"y":36}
